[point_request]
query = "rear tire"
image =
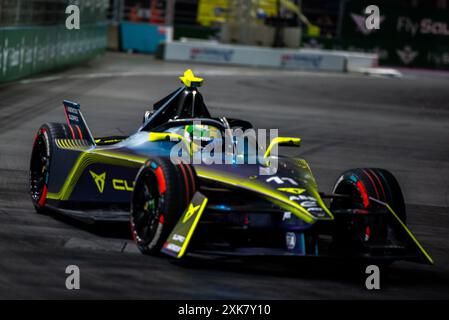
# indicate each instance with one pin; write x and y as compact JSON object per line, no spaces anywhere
{"x":44,"y":147}
{"x":162,"y":191}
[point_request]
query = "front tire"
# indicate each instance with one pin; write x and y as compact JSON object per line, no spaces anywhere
{"x":162,"y":191}
{"x":362,"y":184}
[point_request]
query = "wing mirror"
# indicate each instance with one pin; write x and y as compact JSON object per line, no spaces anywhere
{"x":147,"y":115}
{"x":283,"y":142}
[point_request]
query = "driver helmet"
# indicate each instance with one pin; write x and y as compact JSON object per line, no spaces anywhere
{"x":201,"y":134}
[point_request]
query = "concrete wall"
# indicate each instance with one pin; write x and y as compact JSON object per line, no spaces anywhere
{"x":303,"y":59}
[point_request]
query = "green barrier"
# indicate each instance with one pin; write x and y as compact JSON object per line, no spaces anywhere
{"x":409,"y":36}
{"x":391,"y":53}
{"x":25,"y":51}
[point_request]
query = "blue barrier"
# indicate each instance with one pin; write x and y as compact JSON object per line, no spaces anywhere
{"x":141,"y":37}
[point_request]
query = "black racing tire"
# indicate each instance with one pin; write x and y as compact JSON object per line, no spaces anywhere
{"x":379,"y":184}
{"x":162,"y":191}
{"x":43,"y":149}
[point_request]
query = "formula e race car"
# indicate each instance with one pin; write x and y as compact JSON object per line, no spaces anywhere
{"x":178,"y":201}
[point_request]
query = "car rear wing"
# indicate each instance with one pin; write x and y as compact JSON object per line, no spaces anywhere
{"x":75,"y":120}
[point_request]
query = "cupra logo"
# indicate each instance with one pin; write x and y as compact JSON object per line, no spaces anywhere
{"x":99,"y":180}
{"x":292,"y":190}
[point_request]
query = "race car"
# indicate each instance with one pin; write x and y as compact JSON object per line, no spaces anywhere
{"x":229,"y":208}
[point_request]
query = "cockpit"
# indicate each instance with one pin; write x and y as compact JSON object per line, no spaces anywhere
{"x":184,"y":114}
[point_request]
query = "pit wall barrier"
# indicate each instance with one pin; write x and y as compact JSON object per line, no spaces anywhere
{"x":26,"y":51}
{"x":302,"y":59}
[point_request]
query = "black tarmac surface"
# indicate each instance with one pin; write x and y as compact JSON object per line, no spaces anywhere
{"x":345,"y":121}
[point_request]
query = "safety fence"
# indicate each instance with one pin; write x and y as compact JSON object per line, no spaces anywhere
{"x":49,"y":12}
{"x":25,"y":51}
